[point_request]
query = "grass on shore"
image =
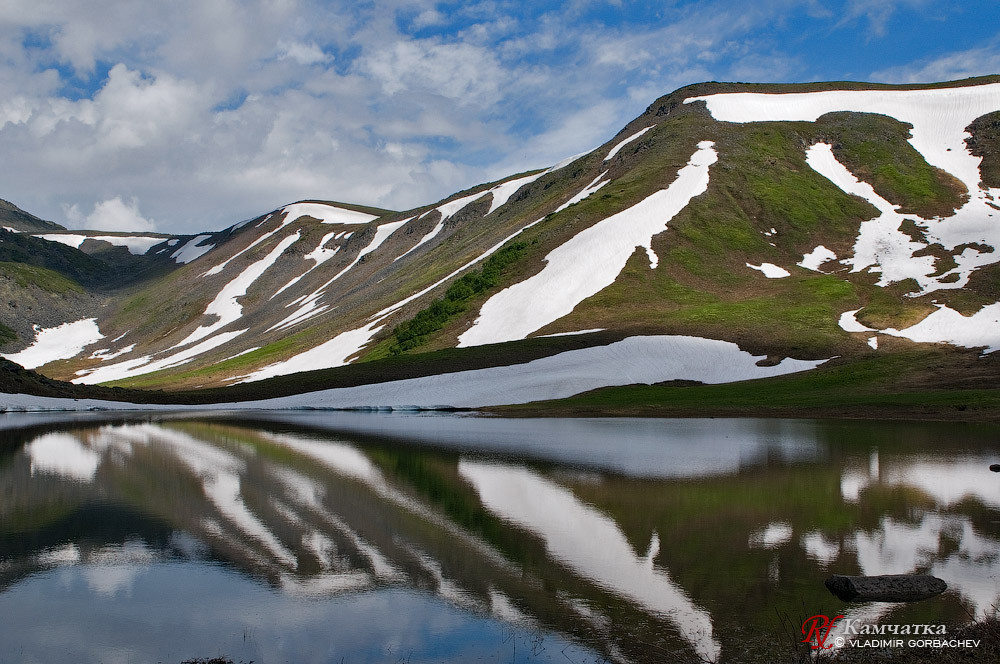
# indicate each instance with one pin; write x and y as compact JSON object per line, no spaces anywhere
{"x":918,"y":384}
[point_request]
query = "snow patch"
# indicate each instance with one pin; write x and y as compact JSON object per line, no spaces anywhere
{"x":225,"y":305}
{"x":137,"y":245}
{"x":327,"y":214}
{"x":143,"y":365}
{"x":503,"y":191}
{"x":948,"y":326}
{"x":816,"y":257}
{"x":569,"y":334}
{"x":849,"y":322}
{"x":939,"y":116}
{"x":770,"y":270}
{"x":588,"y":262}
{"x":193,"y":249}
{"x":333,"y":353}
{"x":107,"y":354}
{"x":58,"y":343}
{"x":70,"y":240}
{"x":628,"y":140}
{"x":584,"y":193}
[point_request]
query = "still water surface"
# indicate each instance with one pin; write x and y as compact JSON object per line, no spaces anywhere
{"x":363,"y":537}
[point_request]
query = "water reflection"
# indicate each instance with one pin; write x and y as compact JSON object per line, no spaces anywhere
{"x":668,"y":541}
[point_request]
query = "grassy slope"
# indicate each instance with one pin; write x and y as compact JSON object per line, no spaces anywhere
{"x":702,"y":285}
{"x":913,"y":382}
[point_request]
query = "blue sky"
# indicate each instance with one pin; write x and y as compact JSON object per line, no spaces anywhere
{"x":195,"y":114}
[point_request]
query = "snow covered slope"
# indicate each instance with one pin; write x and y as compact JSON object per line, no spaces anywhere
{"x":748,"y":215}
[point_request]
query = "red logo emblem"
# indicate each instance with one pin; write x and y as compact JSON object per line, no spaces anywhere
{"x":817,"y":631}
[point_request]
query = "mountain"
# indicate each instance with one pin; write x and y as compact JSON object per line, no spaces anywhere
{"x":13,"y":218}
{"x":730,"y":232}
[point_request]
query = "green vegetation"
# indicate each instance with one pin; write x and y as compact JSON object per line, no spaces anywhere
{"x":876,"y":149}
{"x":7,"y":335}
{"x":414,"y":332}
{"x":933,"y":383}
{"x":33,"y":275}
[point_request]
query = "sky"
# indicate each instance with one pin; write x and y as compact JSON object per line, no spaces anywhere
{"x":192,"y":115}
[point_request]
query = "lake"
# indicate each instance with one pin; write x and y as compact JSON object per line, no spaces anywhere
{"x":348,"y":537}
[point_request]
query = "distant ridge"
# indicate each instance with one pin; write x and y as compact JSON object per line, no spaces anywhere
{"x":17,"y":219}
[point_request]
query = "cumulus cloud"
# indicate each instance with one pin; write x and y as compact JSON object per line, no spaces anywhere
{"x":462,"y":72}
{"x":304,"y":54}
{"x":213,"y":111}
{"x":112,"y":215}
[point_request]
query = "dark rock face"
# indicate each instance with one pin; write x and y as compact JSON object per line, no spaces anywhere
{"x":888,"y":588}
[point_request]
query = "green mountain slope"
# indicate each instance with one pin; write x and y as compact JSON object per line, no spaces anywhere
{"x":834,"y":225}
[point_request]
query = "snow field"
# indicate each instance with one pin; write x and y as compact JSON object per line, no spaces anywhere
{"x":145,"y":365}
{"x":949,"y":326}
{"x":137,"y":245}
{"x":309,"y":305}
{"x":879,"y":242}
{"x":588,"y":262}
{"x":648,"y":359}
{"x":348,"y":344}
{"x":939,"y":116}
{"x":57,"y":343}
{"x":319,"y":255}
{"x":501,"y":194}
{"x":225,"y":305}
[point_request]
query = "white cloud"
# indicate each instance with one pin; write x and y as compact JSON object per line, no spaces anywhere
{"x":954,"y":66}
{"x":304,"y":54}
{"x":465,"y":73}
{"x":112,"y":215}
{"x":213,"y":111}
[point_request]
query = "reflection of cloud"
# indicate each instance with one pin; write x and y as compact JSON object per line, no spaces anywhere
{"x":108,"y":580}
{"x":947,"y":482}
{"x":63,"y":555}
{"x":771,"y":537}
{"x":590,"y":543}
{"x":62,"y":454}
{"x":971,"y":570}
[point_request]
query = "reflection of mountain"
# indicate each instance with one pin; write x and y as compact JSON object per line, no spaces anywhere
{"x":634,"y":567}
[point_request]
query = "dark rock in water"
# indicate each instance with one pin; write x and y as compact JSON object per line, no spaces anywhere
{"x":888,"y":588}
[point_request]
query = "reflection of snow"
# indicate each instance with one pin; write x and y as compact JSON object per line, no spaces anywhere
{"x":62,"y":454}
{"x":820,"y":548}
{"x":590,"y":543}
{"x":220,"y":476}
{"x":771,"y":537}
